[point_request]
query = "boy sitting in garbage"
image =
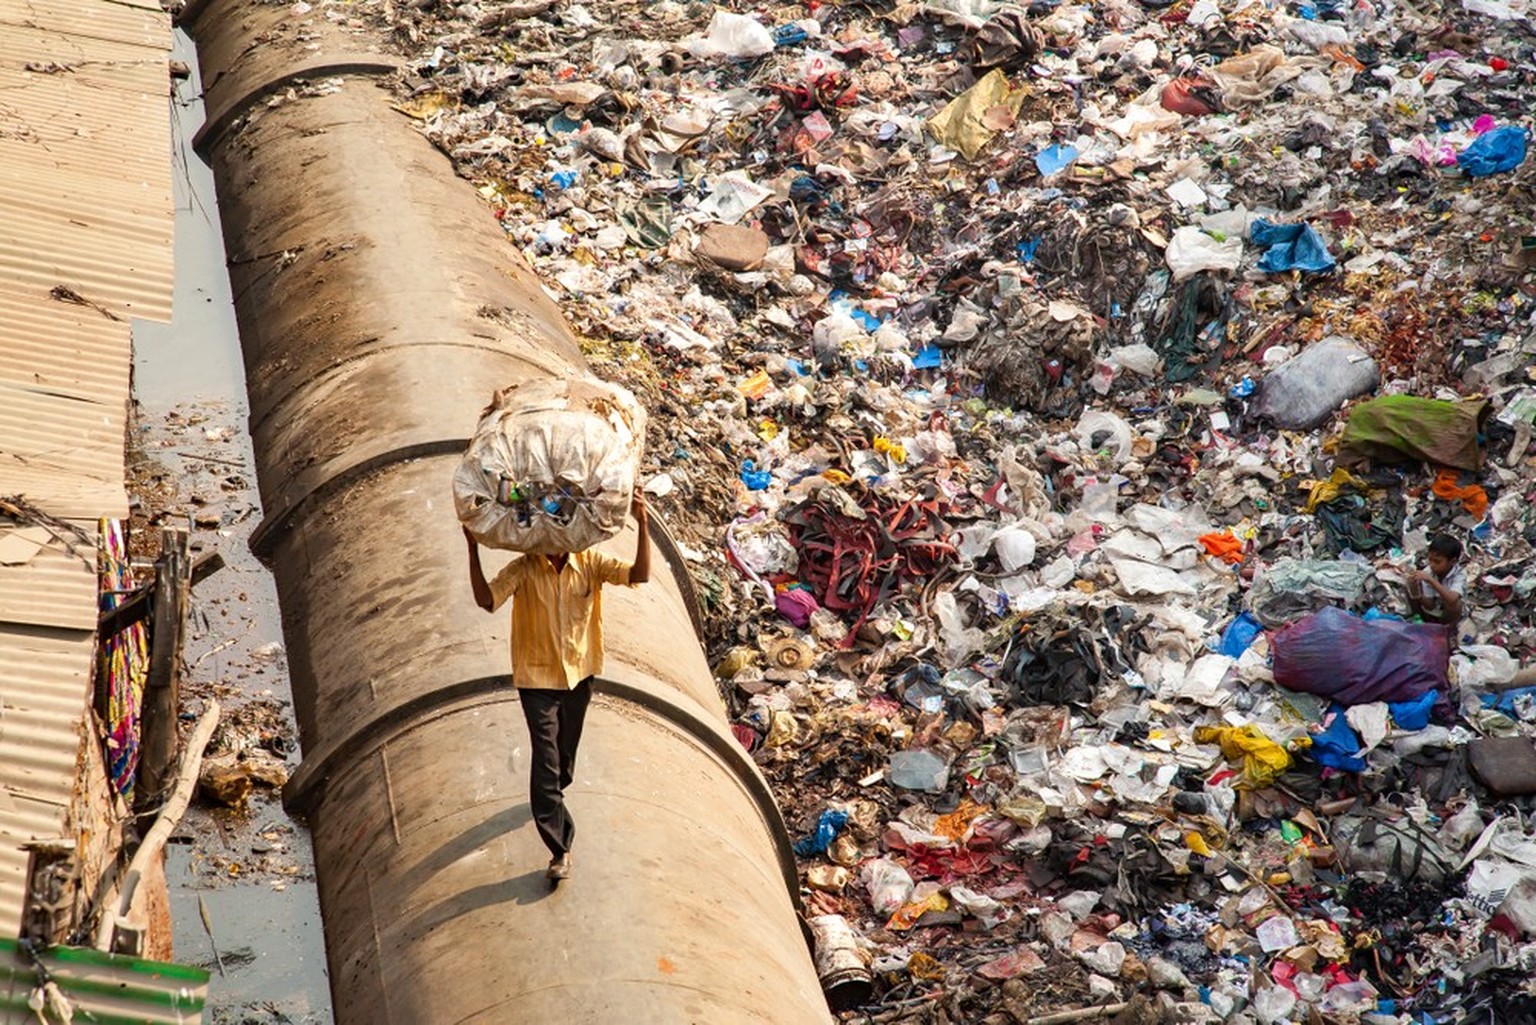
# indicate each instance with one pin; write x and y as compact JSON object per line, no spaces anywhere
{"x":1436,"y":595}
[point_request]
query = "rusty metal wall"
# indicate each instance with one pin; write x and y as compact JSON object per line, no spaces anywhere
{"x":379,"y":305}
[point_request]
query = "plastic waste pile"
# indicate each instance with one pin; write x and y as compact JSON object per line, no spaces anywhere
{"x":1055,"y":403}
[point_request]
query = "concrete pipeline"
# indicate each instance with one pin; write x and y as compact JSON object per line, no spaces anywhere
{"x":379,"y":305}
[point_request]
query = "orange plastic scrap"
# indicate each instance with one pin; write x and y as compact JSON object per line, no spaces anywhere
{"x":1472,"y":497}
{"x":958,"y":822}
{"x":1223,"y":544}
{"x":1341,"y":56}
{"x":756,"y":386}
{"x":907,"y":915}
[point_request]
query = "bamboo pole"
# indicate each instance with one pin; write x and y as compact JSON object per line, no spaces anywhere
{"x":1081,"y":1014}
{"x":170,"y":815}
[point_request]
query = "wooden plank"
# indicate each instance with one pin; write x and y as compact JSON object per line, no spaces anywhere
{"x":162,"y":690}
{"x":138,"y":607}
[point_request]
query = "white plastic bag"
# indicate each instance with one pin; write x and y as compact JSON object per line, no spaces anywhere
{"x":1483,"y":666}
{"x":959,"y":640}
{"x":733,"y":35}
{"x":1273,"y":1005}
{"x":1315,"y":35}
{"x":1502,"y":10}
{"x":988,"y":910}
{"x":1015,"y":548}
{"x":1191,"y":251}
{"x":551,"y":467}
{"x":889,"y":885}
{"x":1139,"y":359}
{"x":1113,"y":434}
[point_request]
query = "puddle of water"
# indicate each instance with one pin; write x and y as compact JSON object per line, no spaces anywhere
{"x":272,"y":971}
{"x":198,"y":354}
{"x":252,"y":870}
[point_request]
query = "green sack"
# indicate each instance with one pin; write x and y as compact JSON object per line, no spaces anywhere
{"x":1398,"y":428}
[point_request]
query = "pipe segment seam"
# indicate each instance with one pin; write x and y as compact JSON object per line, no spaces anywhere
{"x":305,"y":789}
{"x":274,"y":524}
{"x":220,"y":120}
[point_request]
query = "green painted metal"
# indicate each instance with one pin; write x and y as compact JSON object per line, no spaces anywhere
{"x":109,"y":989}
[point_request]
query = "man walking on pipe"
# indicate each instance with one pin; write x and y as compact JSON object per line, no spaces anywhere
{"x":557,"y":647}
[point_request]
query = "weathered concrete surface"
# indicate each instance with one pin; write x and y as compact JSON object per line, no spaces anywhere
{"x":379,"y":306}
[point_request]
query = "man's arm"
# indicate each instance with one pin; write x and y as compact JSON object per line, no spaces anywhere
{"x":640,"y":569}
{"x":1450,"y":600}
{"x":477,"y":582}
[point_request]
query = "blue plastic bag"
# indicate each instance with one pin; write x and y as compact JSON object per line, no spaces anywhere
{"x":1495,"y":152}
{"x":1413,"y":715}
{"x":789,"y":35}
{"x":828,"y":826}
{"x":1505,"y":701}
{"x":1239,"y":635}
{"x":1337,"y":746}
{"x":1290,"y":247}
{"x":928,"y":357}
{"x":868,"y":321}
{"x":753,"y":478}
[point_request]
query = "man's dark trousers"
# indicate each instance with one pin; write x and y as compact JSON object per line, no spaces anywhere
{"x":554,"y":726}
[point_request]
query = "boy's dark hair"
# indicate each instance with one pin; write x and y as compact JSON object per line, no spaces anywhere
{"x":1446,"y":545}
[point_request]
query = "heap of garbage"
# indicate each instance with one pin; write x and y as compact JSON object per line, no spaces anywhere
{"x":1056,"y":402}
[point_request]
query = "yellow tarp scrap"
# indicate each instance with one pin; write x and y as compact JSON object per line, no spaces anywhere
{"x":1321,"y":492}
{"x":907,"y":915}
{"x":756,"y":386}
{"x":925,"y":967}
{"x":1260,"y":760}
{"x":966,"y":124}
{"x":782,"y":730}
{"x":958,"y":822}
{"x":423,"y":106}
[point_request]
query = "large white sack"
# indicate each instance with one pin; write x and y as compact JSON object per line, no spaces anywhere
{"x":1305,"y":390}
{"x":552,"y":466}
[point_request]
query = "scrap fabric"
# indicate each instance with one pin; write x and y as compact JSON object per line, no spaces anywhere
{"x":124,"y":660}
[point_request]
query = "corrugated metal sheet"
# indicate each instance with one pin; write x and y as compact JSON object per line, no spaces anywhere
{"x":59,"y":347}
{"x":85,"y":217}
{"x":44,"y":687}
{"x":84,"y":137}
{"x":86,"y":229}
{"x":61,"y":434}
{"x":53,"y":589}
{"x":104,"y":988}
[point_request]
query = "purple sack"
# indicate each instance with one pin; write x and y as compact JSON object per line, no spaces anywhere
{"x":1355,"y":661}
